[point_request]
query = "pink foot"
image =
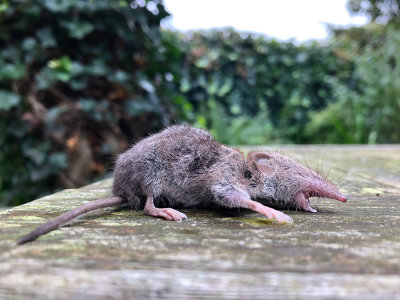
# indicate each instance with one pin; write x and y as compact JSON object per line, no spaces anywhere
{"x":166,"y":213}
{"x":271,"y":213}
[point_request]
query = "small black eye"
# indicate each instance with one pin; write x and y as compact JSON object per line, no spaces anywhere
{"x":247,"y":174}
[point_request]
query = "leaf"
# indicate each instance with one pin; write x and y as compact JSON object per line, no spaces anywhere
{"x":46,"y":37}
{"x":233,"y":56}
{"x":88,"y":105}
{"x":185,"y":85}
{"x":146,"y":85}
{"x":135,"y":108}
{"x":58,"y":161}
{"x":58,"y":6}
{"x":4,"y":6}
{"x":203,"y":62}
{"x":8,"y":100}
{"x":78,"y":84}
{"x":97,"y":68}
{"x":78,"y":29}
{"x":45,"y":78}
{"x":225,"y":88}
{"x":29,"y":44}
{"x":12,"y":71}
{"x":54,"y":114}
{"x":61,"y":68}
{"x":61,"y":64}
{"x":38,"y":156}
{"x":121,"y":76}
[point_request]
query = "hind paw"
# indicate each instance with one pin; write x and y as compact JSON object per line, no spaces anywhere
{"x":171,"y":214}
{"x":167,"y":213}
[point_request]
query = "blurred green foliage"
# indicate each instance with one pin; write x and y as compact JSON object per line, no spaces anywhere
{"x":383,"y":11}
{"x":78,"y":79}
{"x":249,"y":76}
{"x":81,"y":79}
{"x":369,"y":113}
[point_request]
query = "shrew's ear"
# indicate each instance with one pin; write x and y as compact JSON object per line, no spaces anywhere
{"x":261,"y":160}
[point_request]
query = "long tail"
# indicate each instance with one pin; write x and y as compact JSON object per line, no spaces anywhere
{"x":68,"y":216}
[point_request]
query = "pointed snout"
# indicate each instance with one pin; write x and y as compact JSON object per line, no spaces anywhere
{"x":324,"y":190}
{"x":337,"y":196}
{"x":342,"y":198}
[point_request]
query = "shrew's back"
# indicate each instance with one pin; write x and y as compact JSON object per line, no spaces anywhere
{"x":170,"y":165}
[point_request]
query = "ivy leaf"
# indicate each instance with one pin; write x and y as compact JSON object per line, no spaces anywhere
{"x":135,"y":107}
{"x":78,"y":29}
{"x":203,"y":62}
{"x":225,"y":88}
{"x":185,"y":85}
{"x":12,"y":71}
{"x":147,"y":86}
{"x":58,"y":160}
{"x":46,"y":37}
{"x":29,"y":44}
{"x":57,"y":6}
{"x":8,"y":100}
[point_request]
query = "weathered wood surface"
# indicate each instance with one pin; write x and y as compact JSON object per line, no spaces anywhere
{"x":346,"y":250}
